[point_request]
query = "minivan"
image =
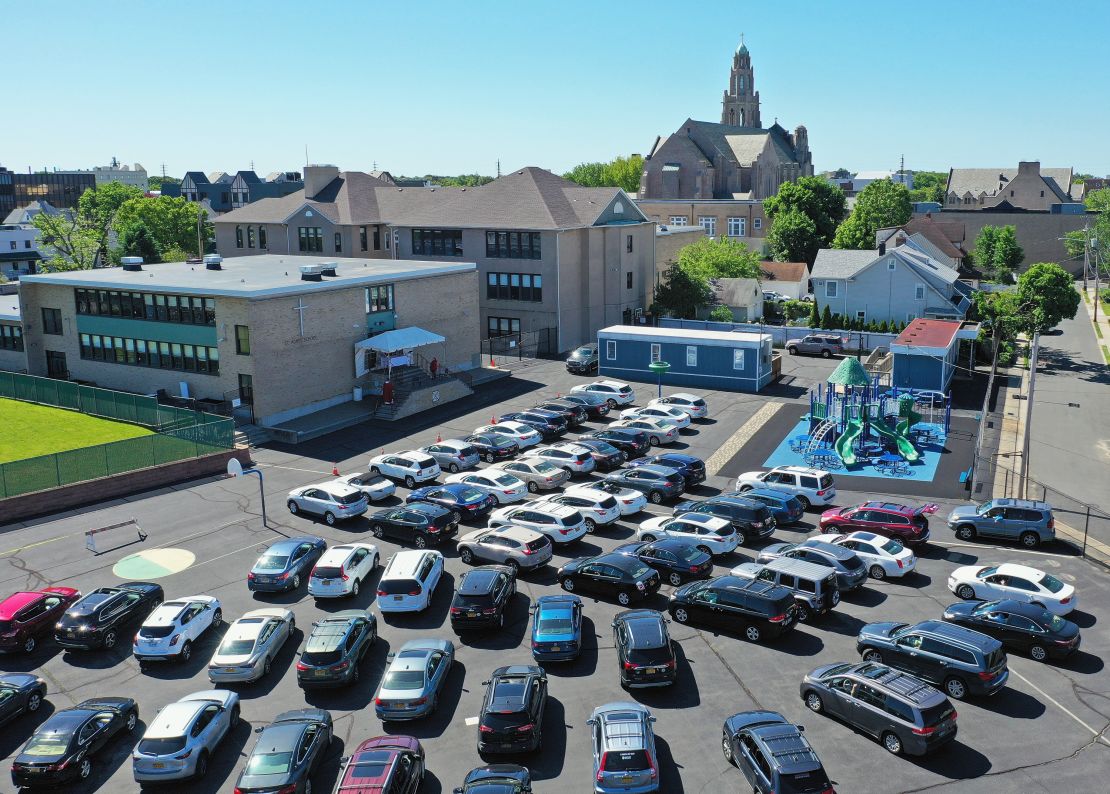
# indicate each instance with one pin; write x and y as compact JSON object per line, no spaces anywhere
{"x":761,"y":609}
{"x":814,"y":586}
{"x":409,"y":580}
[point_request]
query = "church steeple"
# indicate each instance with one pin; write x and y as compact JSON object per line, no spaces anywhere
{"x":740,"y":103}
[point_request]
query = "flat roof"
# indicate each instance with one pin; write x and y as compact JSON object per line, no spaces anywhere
{"x":928,"y":333}
{"x":716,"y":338}
{"x":260,"y":276}
{"x":9,"y":307}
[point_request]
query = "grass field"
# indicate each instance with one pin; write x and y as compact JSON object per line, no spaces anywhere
{"x":28,"y":430}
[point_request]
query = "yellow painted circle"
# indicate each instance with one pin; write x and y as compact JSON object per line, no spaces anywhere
{"x":153,"y":563}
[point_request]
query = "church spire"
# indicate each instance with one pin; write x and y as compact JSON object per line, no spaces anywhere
{"x":740,"y":102}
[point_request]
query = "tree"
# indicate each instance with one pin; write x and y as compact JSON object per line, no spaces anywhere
{"x":982,"y":255}
{"x":720,"y":257}
{"x":159,"y":182}
{"x":997,"y":253}
{"x":680,"y":294}
{"x":929,"y":186}
{"x":841,"y":173}
{"x":97,"y":208}
{"x":622,"y":172}
{"x":814,"y":315}
{"x":826,"y":318}
{"x":721,"y":314}
{"x":793,"y":237}
{"x":136,"y":240}
{"x":1098,"y":200}
{"x":171,"y":222}
{"x":1080,"y":178}
{"x":817,"y":198}
{"x":1046,"y":295}
{"x":68,"y":242}
{"x":881,"y":204}
{"x":587,"y":174}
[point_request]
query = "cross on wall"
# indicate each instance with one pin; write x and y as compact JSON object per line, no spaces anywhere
{"x":300,"y":309}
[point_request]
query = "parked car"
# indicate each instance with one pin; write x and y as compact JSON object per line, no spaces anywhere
{"x":539,"y":474}
{"x":63,"y":748}
{"x":374,"y":487}
{"x":809,"y":486}
{"x":411,"y":686}
{"x":1017,"y":582}
{"x":409,"y":581}
{"x":814,"y":586}
{"x":1029,"y":522}
{"x":961,"y":661}
{"x":614,"y":575}
{"x":504,"y":487}
{"x":524,"y":435}
{"x":597,"y":509}
{"x":658,"y":483}
{"x":510,"y":719}
{"x":494,"y":446}
{"x":659,"y":431}
{"x":383,"y":765}
{"x":1020,"y":627}
{"x":623,"y":742}
{"x":773,"y":754}
{"x":633,"y":443}
{"x":26,"y":616}
{"x":335,"y":648}
{"x":560,"y":523}
{"x":751,"y":520}
{"x":606,"y":456}
{"x":692,"y":404}
{"x":583,"y":360}
{"x":693,"y":469}
{"x":180,"y":741}
{"x":407,"y":467}
{"x":497,"y":779}
{"x":708,"y":533}
{"x":883,"y":556}
{"x":422,"y":524}
{"x":481,"y":598}
{"x":556,"y":628}
{"x":571,"y":457}
{"x":248,"y":649}
{"x":678,"y":560}
{"x":614,"y":392}
{"x":171,"y":630}
{"x":784,"y":506}
{"x":761,"y":609}
{"x":629,"y":500}
{"x":548,"y":424}
{"x":770,"y":296}
{"x":97,"y":619}
{"x":333,"y":501}
{"x":20,"y":693}
{"x":824,"y":345}
{"x":596,"y":405}
{"x":905,"y":523}
{"x":452,"y":454}
{"x":660,"y":413}
{"x":851,"y":573}
{"x":518,"y":548}
{"x":467,"y":502}
{"x":284,"y":564}
{"x":573,"y":413}
{"x":287,"y":752}
{"x":645,"y":652}
{"x":342,"y":570}
{"x":906,"y":715}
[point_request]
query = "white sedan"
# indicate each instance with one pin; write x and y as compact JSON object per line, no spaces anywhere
{"x":659,"y":431}
{"x":629,"y":501}
{"x":598,"y":509}
{"x":342,"y":570}
{"x":1016,"y":582}
{"x":614,"y":392}
{"x":709,"y":533}
{"x":883,"y":556}
{"x":374,"y":486}
{"x":692,"y":404}
{"x":504,"y":487}
{"x":409,"y":467}
{"x":524,"y":435}
{"x":676,"y":417}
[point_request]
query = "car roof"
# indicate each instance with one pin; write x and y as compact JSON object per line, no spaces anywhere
{"x":1027,"y":503}
{"x":279,"y":737}
{"x":404,"y":563}
{"x":516,"y":532}
{"x":801,"y":470}
{"x":335,"y":487}
{"x":838,"y":553}
{"x":174,"y":719}
{"x":336,"y":554}
{"x":913,"y":689}
{"x":246,"y":627}
{"x":17,"y":601}
{"x":1022,"y":571}
{"x":288,"y":545}
{"x":646,"y":627}
{"x":961,"y":634}
{"x":478,"y":581}
{"x":616,"y":559}
{"x":893,"y":507}
{"x":770,"y":493}
{"x":665,"y":471}
{"x":622,"y":725}
{"x":787,"y":746}
{"x":805,"y":568}
{"x":711,"y":521}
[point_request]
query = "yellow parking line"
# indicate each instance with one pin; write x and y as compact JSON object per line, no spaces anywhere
{"x":40,"y":543}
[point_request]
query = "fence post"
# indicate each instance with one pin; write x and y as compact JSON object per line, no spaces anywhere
{"x":1086,"y":527}
{"x":57,"y":469}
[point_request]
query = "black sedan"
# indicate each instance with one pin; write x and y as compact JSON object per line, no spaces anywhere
{"x":62,"y":748}
{"x":606,"y":456}
{"x":547,"y":423}
{"x":693,"y":469}
{"x":20,"y":693}
{"x":99,"y":618}
{"x":288,"y":750}
{"x":597,"y":407}
{"x":493,"y":446}
{"x":677,"y":560}
{"x":573,"y":413}
{"x":497,"y":779}
{"x":423,"y":524}
{"x":467,"y":501}
{"x":1020,"y":627}
{"x":630,"y":441}
{"x":616,"y":575}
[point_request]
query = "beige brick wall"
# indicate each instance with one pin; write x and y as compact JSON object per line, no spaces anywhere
{"x":444,"y":305}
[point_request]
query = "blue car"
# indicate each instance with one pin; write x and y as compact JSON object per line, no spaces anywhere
{"x":285,"y":564}
{"x":466,"y":500}
{"x":693,"y":469}
{"x":556,"y":628}
{"x":783,"y":506}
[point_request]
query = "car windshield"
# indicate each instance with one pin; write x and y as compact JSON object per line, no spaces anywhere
{"x":892,"y":547}
{"x":471,"y":494}
{"x":639,"y":570}
{"x":425,"y":463}
{"x":554,"y":626}
{"x":272,"y":562}
{"x":688,"y":553}
{"x":1051,"y":583}
{"x":162,"y":746}
{"x":1055,"y":622}
{"x":803,"y":782}
{"x":582,"y":352}
{"x":234,"y":647}
{"x":505,"y":479}
{"x":45,"y":746}
{"x":156,"y":631}
{"x":269,"y":764}
{"x":982,"y":508}
{"x":986,"y":571}
{"x":349,"y":498}
{"x":543,"y":466}
{"x":403,"y":679}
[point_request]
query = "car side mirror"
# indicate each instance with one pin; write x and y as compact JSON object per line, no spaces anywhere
{"x":613,"y":625}
{"x":458,"y":790}
{"x":485,"y":683}
{"x":344,"y":759}
{"x":259,"y":729}
{"x":651,"y":718}
{"x":591,"y":721}
{"x":801,"y":728}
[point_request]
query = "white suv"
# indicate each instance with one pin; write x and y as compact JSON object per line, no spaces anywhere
{"x":575,"y":458}
{"x":342,"y":570}
{"x":408,"y":467}
{"x":562,"y":524}
{"x":170,"y":631}
{"x":614,"y":392}
{"x":598,"y":508}
{"x":410,"y":580}
{"x":810,"y":486}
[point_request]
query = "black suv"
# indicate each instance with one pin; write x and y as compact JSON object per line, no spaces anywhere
{"x":904,"y":714}
{"x":547,"y":423}
{"x":511,"y":717}
{"x":750,"y":519}
{"x":584,"y":359}
{"x":728,"y":602}
{"x":481,"y":598}
{"x":336,"y":646}
{"x":98,"y":618}
{"x":1018,"y":626}
{"x":421,"y":523}
{"x":645,"y":653}
{"x":629,"y":440}
{"x":773,"y":754}
{"x":573,"y":413}
{"x":960,"y":660}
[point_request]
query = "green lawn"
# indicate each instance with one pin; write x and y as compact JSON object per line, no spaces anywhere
{"x":28,"y":430}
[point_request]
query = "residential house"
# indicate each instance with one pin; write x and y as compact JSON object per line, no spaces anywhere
{"x":945,"y":239}
{"x":786,"y":278}
{"x":742,"y":296}
{"x":223,"y":192}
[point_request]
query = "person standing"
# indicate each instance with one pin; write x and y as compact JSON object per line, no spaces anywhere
{"x":434,"y":367}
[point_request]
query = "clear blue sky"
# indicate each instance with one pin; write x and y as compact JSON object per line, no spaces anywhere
{"x":439,"y":87}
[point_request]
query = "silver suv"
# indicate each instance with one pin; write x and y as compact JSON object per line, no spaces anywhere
{"x":625,"y":760}
{"x":1024,"y":520}
{"x":179,"y":742}
{"x":824,"y":345}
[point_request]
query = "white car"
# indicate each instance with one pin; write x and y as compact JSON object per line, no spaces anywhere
{"x":374,"y":486}
{"x":709,"y":533}
{"x":335,"y":501}
{"x":659,"y":431}
{"x":629,"y":501}
{"x":504,"y":487}
{"x":524,"y":435}
{"x":676,"y":417}
{"x":408,"y":467}
{"x":810,"y":486}
{"x":170,"y":631}
{"x":693,"y":405}
{"x":342,"y":570}
{"x":248,"y":648}
{"x":598,"y":509}
{"x":575,"y":458}
{"x":409,"y":580}
{"x":614,"y":392}
{"x":1016,"y":582}
{"x":560,"y":523}
{"x":883,"y":556}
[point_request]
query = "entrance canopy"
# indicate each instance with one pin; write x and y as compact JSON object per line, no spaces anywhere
{"x":387,"y":342}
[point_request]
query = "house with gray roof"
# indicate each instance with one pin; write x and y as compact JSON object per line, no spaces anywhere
{"x":224,"y":192}
{"x":1029,"y":187}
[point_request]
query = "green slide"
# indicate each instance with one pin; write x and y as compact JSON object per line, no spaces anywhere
{"x":905,"y":447}
{"x":843,"y":445}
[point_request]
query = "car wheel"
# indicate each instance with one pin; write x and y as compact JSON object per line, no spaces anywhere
{"x":292,"y":507}
{"x":656,"y":497}
{"x":648,"y":538}
{"x":792,"y":351}
{"x":296,"y":583}
{"x":513,"y":566}
{"x":591,"y":526}
{"x":453,"y":468}
{"x":34,"y":701}
{"x":681,"y":615}
{"x":489,"y":457}
{"x":329,"y":518}
{"x":891,"y":742}
{"x":726,"y":750}
{"x":375,"y":470}
{"x":532,"y":487}
{"x":955,"y":688}
{"x":186,"y":651}
{"x":292,"y":626}
{"x":744,"y":488}
{"x":132,"y":720}
{"x":965,"y":532}
{"x":466,"y":555}
{"x":1038,"y":652}
{"x":233,"y":718}
{"x":110,"y":638}
{"x":202,"y":765}
{"x":966,"y":592}
{"x":675,"y":578}
{"x":653,"y":440}
{"x":355,"y":588}
{"x":826,"y":354}
{"x":753,"y":633}
{"x":612,"y":404}
{"x":804,"y":614}
{"x":378,"y":530}
{"x":814,"y":702}
{"x":705,"y":549}
{"x":420,"y":542}
{"x":568,"y":584}
{"x":877,"y":572}
{"x":1030,"y":540}
{"x":803,"y":502}
{"x":409,"y":481}
{"x":217,"y":618}
{"x":871,"y":655}
{"x":741,"y":538}
{"x":623,"y":598}
{"x":85,"y":769}
{"x":29,"y":645}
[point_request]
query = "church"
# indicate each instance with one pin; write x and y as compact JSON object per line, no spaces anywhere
{"x":735,"y":159}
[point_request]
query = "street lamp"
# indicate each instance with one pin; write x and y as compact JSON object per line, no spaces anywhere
{"x":235,"y":469}
{"x":659,"y":367}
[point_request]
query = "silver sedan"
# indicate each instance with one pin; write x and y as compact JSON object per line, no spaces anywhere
{"x":250,"y":645}
{"x":374,"y":486}
{"x":540,"y":474}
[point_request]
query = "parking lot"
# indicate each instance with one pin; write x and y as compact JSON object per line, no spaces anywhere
{"x":1043,"y":731}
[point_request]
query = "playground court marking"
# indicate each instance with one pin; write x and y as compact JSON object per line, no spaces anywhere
{"x":728,"y":450}
{"x":153,"y":563}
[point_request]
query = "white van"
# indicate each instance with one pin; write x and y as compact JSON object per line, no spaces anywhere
{"x":409,"y":580}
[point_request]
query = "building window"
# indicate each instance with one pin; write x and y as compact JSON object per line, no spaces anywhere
{"x":250,"y":237}
{"x":757,"y":223}
{"x":502,"y":326}
{"x":514,"y":286}
{"x":709,"y":223}
{"x":262,"y":237}
{"x":379,"y":299}
{"x":51,"y":321}
{"x":919,"y":292}
{"x":378,"y":239}
{"x":26,"y":243}
{"x":513,"y":245}
{"x":610,"y":350}
{"x":242,"y":340}
{"x":891,"y":265}
{"x":738,"y":359}
{"x":628,"y":244}
{"x":310,"y":239}
{"x":11,"y":337}
{"x":830,"y":289}
{"x":628,"y":280}
{"x":338,"y":242}
{"x":363,"y":243}
{"x":737,"y":227}
{"x":437,"y":242}
{"x":13,"y":245}
{"x":145,"y":353}
{"x":656,"y":353}
{"x":691,"y":356}
{"x":238,"y":236}
{"x":861,"y":315}
{"x":679,"y":220}
{"x":246,"y":389}
{"x":146,"y":306}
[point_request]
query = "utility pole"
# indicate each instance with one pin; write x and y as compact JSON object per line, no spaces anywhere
{"x":1098,"y":275}
{"x":1029,"y":413}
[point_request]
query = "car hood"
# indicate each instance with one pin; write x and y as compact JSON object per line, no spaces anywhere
{"x":820,"y":672}
{"x":966,"y":573}
{"x":963,"y":511}
{"x":752,"y":475}
{"x":882,"y":629}
{"x":657,"y":522}
{"x":571,"y":566}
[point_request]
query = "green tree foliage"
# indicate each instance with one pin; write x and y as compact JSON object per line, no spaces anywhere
{"x":622,"y":172}
{"x":796,"y":310}
{"x":881,"y":204}
{"x":929,"y":186}
{"x":462,"y":180}
{"x":171,"y":222}
{"x":69,"y":243}
{"x":680,"y":294}
{"x":826,"y":318}
{"x":175,"y":254}
{"x":136,"y":240}
{"x":814,"y":315}
{"x":1080,"y":178}
{"x":841,"y":173}
{"x":793,"y":237}
{"x":816,"y":198}
{"x":721,"y":314}
{"x":97,"y":208}
{"x":1098,"y":200}
{"x":997,"y":253}
{"x":1046,"y":295}
{"x":720,"y":257}
{"x":157,"y":182}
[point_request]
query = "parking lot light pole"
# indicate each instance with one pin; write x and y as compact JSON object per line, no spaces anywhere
{"x":659,"y":367}
{"x":235,"y":469}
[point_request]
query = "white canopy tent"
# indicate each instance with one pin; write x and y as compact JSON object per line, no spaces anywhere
{"x":400,"y":339}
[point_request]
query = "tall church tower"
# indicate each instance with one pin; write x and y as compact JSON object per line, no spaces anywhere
{"x":740,"y":103}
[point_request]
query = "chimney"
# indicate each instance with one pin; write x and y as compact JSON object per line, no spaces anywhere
{"x":213,"y":261}
{"x":131,"y":263}
{"x":1029,"y":167}
{"x":900,"y":239}
{"x":317,"y":177}
{"x":882,"y":249}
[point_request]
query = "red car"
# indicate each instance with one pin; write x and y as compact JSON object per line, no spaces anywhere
{"x":25,"y":616}
{"x":901,"y":522}
{"x":383,"y":765}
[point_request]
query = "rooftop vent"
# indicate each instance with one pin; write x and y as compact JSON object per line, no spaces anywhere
{"x":328,"y":269}
{"x":131,"y":263}
{"x":312,"y":272}
{"x":213,"y":261}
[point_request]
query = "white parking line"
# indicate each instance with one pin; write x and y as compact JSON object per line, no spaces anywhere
{"x":1097,"y":734}
{"x":982,"y":547}
{"x":291,"y":468}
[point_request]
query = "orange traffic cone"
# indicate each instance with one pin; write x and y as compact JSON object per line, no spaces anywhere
{"x":493,"y":362}
{"x":493,"y":420}
{"x":335,"y":470}
{"x":439,"y":438}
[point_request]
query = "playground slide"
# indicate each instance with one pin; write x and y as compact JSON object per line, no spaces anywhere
{"x":905,"y":447}
{"x":843,"y":445}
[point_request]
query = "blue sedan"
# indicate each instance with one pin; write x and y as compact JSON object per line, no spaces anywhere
{"x":556,"y":628}
{"x":783,"y":506}
{"x":693,"y":469}
{"x":285,"y":564}
{"x":466,"y":500}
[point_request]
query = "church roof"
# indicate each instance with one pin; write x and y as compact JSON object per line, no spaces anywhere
{"x":744,"y":144}
{"x":990,"y":181}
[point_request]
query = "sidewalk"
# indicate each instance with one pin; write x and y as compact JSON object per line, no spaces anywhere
{"x":1102,"y":327}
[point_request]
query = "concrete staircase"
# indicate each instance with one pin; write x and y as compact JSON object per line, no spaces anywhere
{"x":251,"y":435}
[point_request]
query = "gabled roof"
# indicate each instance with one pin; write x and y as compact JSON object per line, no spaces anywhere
{"x":930,"y":229}
{"x":736,"y":291}
{"x":742,"y":144}
{"x":928,"y":333}
{"x":197,"y":177}
{"x":991,"y":180}
{"x":219,"y":177}
{"x":836,"y":263}
{"x":249,"y":177}
{"x":784,"y":271}
{"x":924,"y":264}
{"x":25,"y":214}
